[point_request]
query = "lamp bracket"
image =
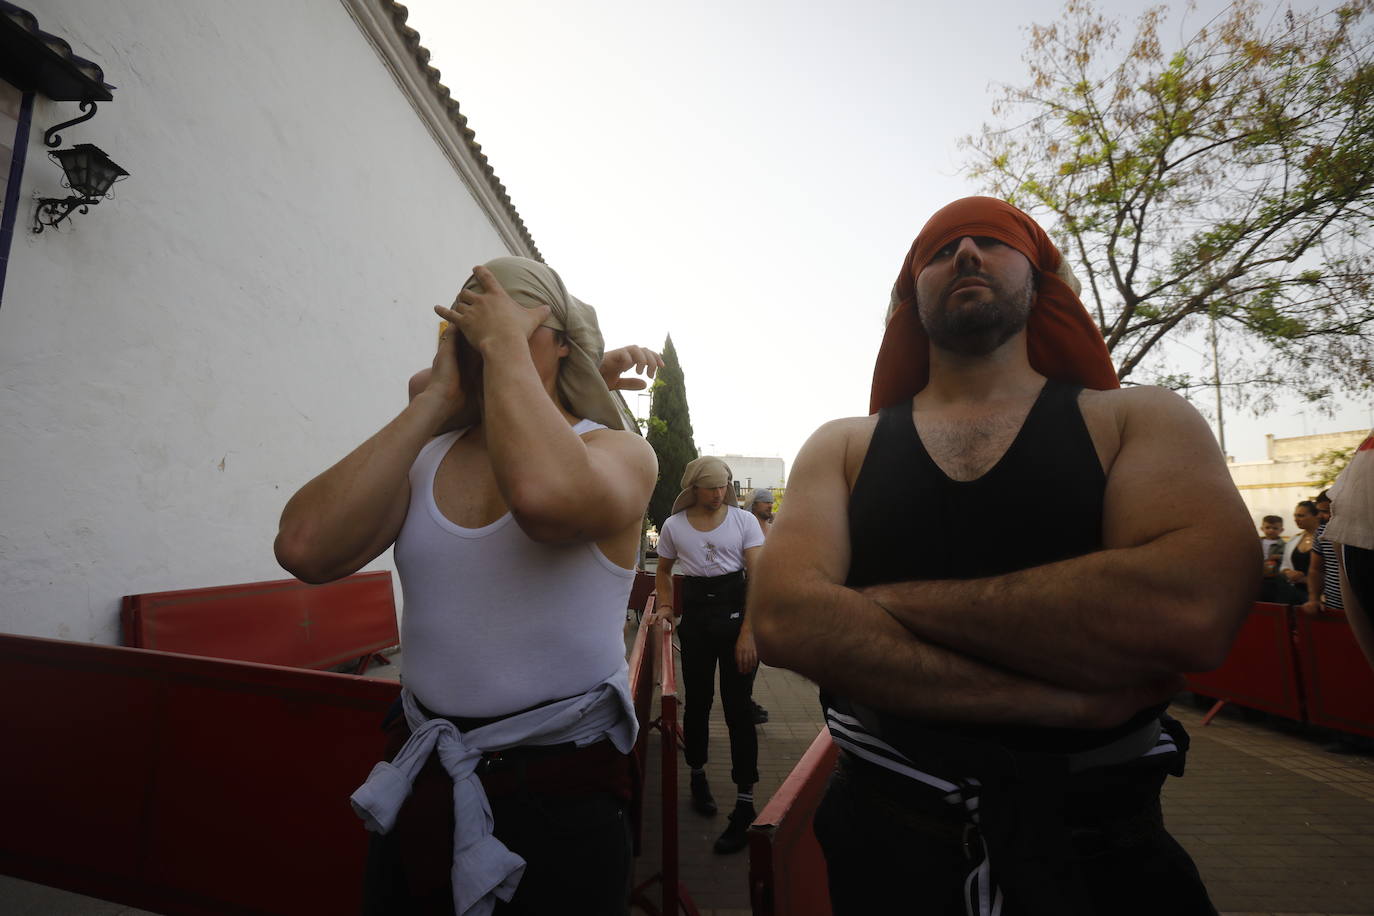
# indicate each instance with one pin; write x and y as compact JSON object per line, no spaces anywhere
{"x":50,"y":136}
{"x":53,"y":210}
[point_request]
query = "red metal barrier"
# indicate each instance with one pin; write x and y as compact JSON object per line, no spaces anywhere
{"x":1337,"y":677}
{"x":1261,"y":671}
{"x":185,"y":785}
{"x":282,"y":622}
{"x":640,"y":593}
{"x":675,"y":897}
{"x":642,"y":693}
{"x":787,"y":875}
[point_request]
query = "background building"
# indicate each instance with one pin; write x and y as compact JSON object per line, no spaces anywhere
{"x":1286,"y":476}
{"x":751,"y":472}
{"x":247,"y":308}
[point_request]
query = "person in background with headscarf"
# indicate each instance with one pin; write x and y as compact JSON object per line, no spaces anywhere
{"x":516,"y":535}
{"x":716,"y":545}
{"x":760,"y":505}
{"x":999,"y":703}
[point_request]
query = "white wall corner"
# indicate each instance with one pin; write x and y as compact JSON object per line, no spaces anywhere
{"x":378,"y":20}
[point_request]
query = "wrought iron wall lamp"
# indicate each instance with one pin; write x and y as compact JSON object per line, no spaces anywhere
{"x":88,"y":172}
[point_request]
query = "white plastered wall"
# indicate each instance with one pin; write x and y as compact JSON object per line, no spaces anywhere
{"x":179,"y":360}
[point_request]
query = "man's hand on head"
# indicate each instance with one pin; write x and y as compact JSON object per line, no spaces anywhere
{"x":620,"y":361}
{"x":489,"y":317}
{"x":613,"y":365}
{"x":441,"y":379}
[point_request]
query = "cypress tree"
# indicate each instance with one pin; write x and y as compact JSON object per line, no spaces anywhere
{"x":670,"y":433}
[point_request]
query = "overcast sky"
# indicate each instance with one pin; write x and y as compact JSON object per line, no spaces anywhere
{"x":747,"y":177}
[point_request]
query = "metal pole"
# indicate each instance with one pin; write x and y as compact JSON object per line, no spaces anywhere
{"x":1216,"y":382}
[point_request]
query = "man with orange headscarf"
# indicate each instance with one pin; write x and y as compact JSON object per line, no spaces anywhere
{"x":999,"y":703}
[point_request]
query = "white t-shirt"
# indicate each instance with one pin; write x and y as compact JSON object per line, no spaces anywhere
{"x":709,"y":553}
{"x":1352,"y":501}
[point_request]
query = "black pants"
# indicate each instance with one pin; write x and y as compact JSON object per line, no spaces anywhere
{"x":708,"y":635}
{"x":1359,"y":572}
{"x":576,"y":845}
{"x":576,"y":849}
{"x":878,"y":862}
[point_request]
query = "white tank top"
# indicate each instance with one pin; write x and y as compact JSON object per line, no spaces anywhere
{"x":495,"y":622}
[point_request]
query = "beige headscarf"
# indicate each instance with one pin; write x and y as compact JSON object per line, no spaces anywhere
{"x":580,"y":385}
{"x":706,"y":471}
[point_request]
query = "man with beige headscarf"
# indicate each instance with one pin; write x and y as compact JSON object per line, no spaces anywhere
{"x":716,"y":543}
{"x":516,"y":535}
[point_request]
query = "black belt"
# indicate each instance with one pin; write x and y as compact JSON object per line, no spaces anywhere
{"x":493,"y":760}
{"x":519,"y":756}
{"x":714,"y":592}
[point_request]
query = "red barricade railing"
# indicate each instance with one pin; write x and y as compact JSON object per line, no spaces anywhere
{"x":642,"y":693}
{"x":674,"y":897}
{"x":787,"y":875}
{"x":1338,"y":682}
{"x":185,"y":785}
{"x":640,"y":593}
{"x":1261,"y":671}
{"x":1305,"y":668}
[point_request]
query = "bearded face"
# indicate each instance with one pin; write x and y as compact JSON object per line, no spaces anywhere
{"x":975,"y":295}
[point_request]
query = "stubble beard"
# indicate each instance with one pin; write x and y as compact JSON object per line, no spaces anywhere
{"x":978,"y":329}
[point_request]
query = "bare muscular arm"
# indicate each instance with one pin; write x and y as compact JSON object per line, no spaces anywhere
{"x":1166,"y":595}
{"x":746,"y":651}
{"x":663,"y":587}
{"x":805,"y":619}
{"x":345,"y":517}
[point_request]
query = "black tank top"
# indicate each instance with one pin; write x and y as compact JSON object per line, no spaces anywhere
{"x":1042,"y":502}
{"x":1302,"y":560}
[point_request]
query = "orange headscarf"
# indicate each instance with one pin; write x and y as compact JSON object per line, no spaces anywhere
{"x":1062,"y":341}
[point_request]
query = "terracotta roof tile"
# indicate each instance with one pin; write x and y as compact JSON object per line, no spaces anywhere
{"x":399,"y":14}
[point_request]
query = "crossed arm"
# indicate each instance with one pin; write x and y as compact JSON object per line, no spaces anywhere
{"x":1085,"y":642}
{"x":1165,"y":595}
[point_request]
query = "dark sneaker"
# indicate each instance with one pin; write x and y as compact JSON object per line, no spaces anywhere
{"x":736,"y":835}
{"x":760,"y":714}
{"x":702,"y":802}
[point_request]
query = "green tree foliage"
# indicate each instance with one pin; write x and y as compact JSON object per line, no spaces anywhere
{"x":670,"y":433}
{"x":1329,"y":464}
{"x":1230,"y":179}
